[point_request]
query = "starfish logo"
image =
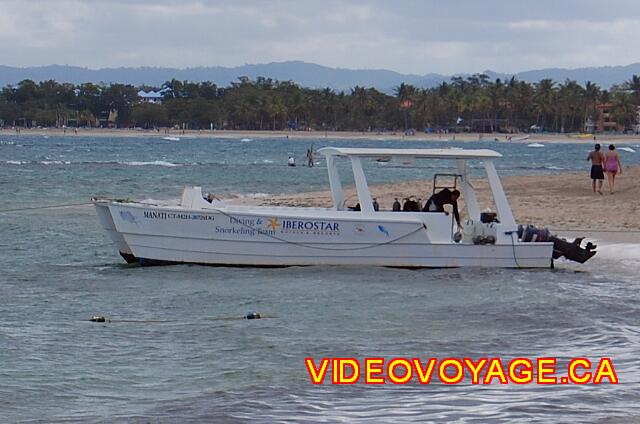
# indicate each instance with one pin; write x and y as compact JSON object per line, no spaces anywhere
{"x":273,"y":224}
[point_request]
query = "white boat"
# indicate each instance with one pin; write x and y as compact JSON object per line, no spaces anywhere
{"x":217,"y":233}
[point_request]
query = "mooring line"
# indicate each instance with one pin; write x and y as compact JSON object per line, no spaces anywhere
{"x":106,"y":320}
{"x":66,"y":205}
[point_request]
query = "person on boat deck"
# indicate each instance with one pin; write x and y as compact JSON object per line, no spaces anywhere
{"x":444,"y":197}
{"x":410,"y":205}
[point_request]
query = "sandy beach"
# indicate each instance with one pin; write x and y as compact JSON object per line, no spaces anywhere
{"x":332,"y":135}
{"x":562,"y":202}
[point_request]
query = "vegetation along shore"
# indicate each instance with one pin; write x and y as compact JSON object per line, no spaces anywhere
{"x":463,"y":105}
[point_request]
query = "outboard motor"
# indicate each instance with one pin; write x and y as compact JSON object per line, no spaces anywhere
{"x":573,"y":250}
{"x":561,"y":247}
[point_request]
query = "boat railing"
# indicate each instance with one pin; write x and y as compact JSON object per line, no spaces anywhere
{"x":449,"y":175}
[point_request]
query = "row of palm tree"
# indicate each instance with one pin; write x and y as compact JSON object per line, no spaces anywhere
{"x":265,"y":104}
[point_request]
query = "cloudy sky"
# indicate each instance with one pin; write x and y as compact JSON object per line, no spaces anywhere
{"x":402,"y":35}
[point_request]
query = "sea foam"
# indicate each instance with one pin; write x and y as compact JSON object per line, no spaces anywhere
{"x":151,"y":163}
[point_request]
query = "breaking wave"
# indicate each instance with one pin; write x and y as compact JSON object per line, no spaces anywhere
{"x":151,"y":163}
{"x":120,"y":163}
{"x":55,"y":162}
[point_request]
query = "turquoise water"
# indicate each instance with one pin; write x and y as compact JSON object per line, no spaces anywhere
{"x":175,"y":351}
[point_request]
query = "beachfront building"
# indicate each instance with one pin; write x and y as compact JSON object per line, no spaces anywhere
{"x":152,"y":96}
{"x":605,"y":120}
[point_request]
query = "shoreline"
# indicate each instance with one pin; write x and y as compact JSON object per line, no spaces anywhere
{"x":563,"y":202}
{"x":333,"y":135}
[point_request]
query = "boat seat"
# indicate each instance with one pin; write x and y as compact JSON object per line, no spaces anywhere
{"x":192,"y":198}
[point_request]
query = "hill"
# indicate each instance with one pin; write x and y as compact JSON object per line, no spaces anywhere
{"x":305,"y":74}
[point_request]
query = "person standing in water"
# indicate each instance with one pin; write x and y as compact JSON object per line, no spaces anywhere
{"x":613,"y":166}
{"x":597,"y":174}
{"x":310,"y":157}
{"x":291,"y":161}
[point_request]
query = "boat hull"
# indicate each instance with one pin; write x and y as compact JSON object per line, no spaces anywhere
{"x":284,"y":237}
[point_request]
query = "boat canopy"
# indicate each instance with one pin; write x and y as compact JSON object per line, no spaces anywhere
{"x":413,"y":153}
{"x":355,"y":155}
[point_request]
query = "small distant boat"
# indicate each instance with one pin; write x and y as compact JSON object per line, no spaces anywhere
{"x":627,"y":149}
{"x":212,"y":232}
{"x":171,"y":138}
{"x":535,"y":145}
{"x":522,"y":138}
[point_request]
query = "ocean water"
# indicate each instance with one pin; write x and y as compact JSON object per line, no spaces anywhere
{"x":178,"y":350}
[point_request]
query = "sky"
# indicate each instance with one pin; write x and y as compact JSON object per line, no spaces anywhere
{"x":407,"y":36}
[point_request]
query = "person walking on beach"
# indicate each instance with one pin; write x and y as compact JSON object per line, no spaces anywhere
{"x":613,"y":166}
{"x":597,"y":174}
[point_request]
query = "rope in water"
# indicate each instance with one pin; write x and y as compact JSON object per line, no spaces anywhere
{"x":66,"y":205}
{"x":106,"y":320}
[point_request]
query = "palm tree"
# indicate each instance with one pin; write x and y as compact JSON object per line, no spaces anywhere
{"x":591,"y":95}
{"x":624,"y":111}
{"x":633,"y":85}
{"x":544,"y":100}
{"x":328,"y":108}
{"x":277,"y":110}
{"x":405,"y":94}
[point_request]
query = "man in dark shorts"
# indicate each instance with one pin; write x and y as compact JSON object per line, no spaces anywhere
{"x":597,"y":174}
{"x":444,"y":197}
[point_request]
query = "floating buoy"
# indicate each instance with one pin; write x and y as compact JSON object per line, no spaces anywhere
{"x":97,"y":318}
{"x":253,"y":315}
